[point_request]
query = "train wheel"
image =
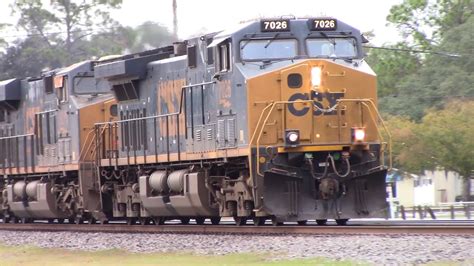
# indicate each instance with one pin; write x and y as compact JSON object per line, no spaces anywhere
{"x":341,"y":221}
{"x":200,"y":220}
{"x":91,"y":220}
{"x":26,"y":220}
{"x":185,"y":220}
{"x":159,"y":220}
{"x":304,"y":222}
{"x":79,"y":220}
{"x":239,"y":221}
{"x":51,"y":221}
{"x":275,"y":222}
{"x":6,"y":219}
{"x":215,"y":220}
{"x":144,"y":221}
{"x":131,"y":221}
{"x":104,"y":221}
{"x":71,"y":220}
{"x":60,"y":221}
{"x":321,"y":221}
{"x":14,"y":220}
{"x":259,"y":221}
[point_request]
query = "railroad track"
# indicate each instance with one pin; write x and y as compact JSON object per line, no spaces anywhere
{"x":460,"y":229}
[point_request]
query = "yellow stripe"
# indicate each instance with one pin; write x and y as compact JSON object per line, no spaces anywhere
{"x":310,"y":148}
{"x":163,"y":158}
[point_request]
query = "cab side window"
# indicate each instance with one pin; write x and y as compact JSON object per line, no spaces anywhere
{"x":224,"y":57}
{"x":63,"y":92}
{"x":60,"y":83}
{"x":3,"y":115}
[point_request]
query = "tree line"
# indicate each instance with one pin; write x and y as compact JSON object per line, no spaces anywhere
{"x":426,"y":86}
{"x":58,"y":33}
{"x":425,"y":82}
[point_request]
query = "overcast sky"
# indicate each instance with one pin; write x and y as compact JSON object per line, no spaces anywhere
{"x":213,"y":15}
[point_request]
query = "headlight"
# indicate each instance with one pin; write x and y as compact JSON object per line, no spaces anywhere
{"x":316,"y":76}
{"x":292,"y":137}
{"x":358,"y":134}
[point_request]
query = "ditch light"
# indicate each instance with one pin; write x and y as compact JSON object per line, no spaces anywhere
{"x":292,"y":137}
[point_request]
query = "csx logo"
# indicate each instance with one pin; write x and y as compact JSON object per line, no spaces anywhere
{"x":317,"y":98}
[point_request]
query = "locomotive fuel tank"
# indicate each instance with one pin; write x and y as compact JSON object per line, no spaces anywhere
{"x":175,"y":194}
{"x":33,"y":200}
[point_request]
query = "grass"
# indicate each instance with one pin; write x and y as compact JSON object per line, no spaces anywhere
{"x":450,"y":263}
{"x":25,"y":255}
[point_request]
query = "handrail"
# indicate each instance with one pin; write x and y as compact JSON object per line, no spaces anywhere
{"x":380,"y":119}
{"x":85,"y":142}
{"x":270,"y":106}
{"x":167,"y":116}
{"x":90,"y":143}
{"x":162,"y":115}
{"x":9,"y":160}
{"x":17,"y":136}
{"x":265,"y":113}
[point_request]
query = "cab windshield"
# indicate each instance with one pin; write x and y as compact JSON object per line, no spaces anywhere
{"x":332,"y":48}
{"x":268,"y":49}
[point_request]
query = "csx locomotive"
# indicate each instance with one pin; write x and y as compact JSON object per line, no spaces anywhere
{"x":274,"y":119}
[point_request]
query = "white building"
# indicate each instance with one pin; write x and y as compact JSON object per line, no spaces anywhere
{"x":432,"y":188}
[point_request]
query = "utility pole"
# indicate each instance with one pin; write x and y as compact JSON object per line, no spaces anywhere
{"x":175,"y":19}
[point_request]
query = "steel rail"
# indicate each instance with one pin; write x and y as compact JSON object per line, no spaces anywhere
{"x":249,"y":229}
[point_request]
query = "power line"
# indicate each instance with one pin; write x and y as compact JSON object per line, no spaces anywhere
{"x":429,"y":97}
{"x":455,"y":55}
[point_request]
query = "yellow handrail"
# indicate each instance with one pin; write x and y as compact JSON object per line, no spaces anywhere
{"x":84,"y":144}
{"x":268,"y":110}
{"x":90,"y":143}
{"x":271,"y":106}
{"x":380,"y":119}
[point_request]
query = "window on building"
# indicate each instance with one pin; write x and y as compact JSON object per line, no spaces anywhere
{"x":443,"y":195}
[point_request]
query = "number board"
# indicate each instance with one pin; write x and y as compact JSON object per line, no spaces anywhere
{"x":275,"y":25}
{"x":322,"y":24}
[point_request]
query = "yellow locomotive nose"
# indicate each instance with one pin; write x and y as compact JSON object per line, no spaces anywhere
{"x":313,"y":125}
{"x":322,"y":102}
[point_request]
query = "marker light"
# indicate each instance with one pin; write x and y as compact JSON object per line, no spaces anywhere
{"x":316,"y":76}
{"x":358,"y":134}
{"x":292,"y":137}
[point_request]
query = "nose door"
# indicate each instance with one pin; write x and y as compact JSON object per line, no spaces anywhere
{"x":295,"y":86}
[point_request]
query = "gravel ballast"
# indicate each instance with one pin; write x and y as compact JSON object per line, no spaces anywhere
{"x":391,"y":249}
